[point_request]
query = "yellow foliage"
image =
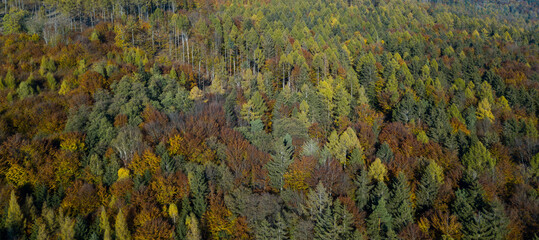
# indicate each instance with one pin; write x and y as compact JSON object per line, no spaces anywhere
{"x":484,"y":111}
{"x":196,"y":94}
{"x":424,"y":224}
{"x":148,"y":161}
{"x":296,"y":180}
{"x":165,"y":193}
{"x":175,"y":144}
{"x":123,"y":173}
{"x":220,"y":220}
{"x":72,"y":143}
{"x":17,"y":175}
{"x":378,"y":170}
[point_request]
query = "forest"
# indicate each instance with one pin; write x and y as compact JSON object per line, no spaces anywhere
{"x":269,"y":119}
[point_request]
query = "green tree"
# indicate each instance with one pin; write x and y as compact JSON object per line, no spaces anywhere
{"x":478,"y":158}
{"x":400,"y":202}
{"x":254,"y":109}
{"x":13,"y":22}
{"x":363,"y":188}
{"x":280,"y":161}
{"x":385,"y":153}
{"x":379,"y":222}
{"x":198,"y":187}
{"x":427,"y":190}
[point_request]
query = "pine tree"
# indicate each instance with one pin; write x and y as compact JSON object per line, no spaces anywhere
{"x":400,"y":202}
{"x":363,"y":188}
{"x":264,"y":230}
{"x":343,"y":221}
{"x":318,"y":208}
{"x":427,"y":190}
{"x":280,"y":228}
{"x":14,"y":220}
{"x":323,"y":225}
{"x":342,"y":102}
{"x":379,"y":222}
{"x":104,"y":224}
{"x":385,"y":153}
{"x":379,"y":192}
{"x":120,"y":227}
{"x":198,"y":187}
{"x":181,"y":228}
{"x":280,"y":161}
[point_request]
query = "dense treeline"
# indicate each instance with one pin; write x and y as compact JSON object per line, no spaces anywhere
{"x":269,"y":119}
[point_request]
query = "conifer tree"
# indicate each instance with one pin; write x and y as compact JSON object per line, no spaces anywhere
{"x":343,"y":221}
{"x":478,"y":158}
{"x":427,"y":190}
{"x":363,"y":188}
{"x":198,"y":187}
{"x":121,"y":229}
{"x":280,"y":161}
{"x":378,"y":170}
{"x":181,"y":227}
{"x":379,"y":222}
{"x":14,"y":218}
{"x":400,"y":202}
{"x":104,"y":224}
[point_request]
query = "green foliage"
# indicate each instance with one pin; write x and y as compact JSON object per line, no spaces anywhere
{"x":380,"y":223}
{"x":428,"y":187}
{"x":400,"y":202}
{"x":13,"y":22}
{"x":478,"y":158}
{"x":280,"y":161}
{"x":331,"y":78}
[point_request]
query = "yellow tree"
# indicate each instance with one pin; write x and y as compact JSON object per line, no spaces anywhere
{"x":484,"y":110}
{"x":378,"y":170}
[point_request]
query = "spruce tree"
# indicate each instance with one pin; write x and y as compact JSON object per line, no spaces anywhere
{"x":280,"y":161}
{"x":427,"y":190}
{"x":198,"y":187}
{"x":400,"y":202}
{"x":181,"y":228}
{"x":363,"y":188}
{"x":379,"y":222}
{"x":343,"y":221}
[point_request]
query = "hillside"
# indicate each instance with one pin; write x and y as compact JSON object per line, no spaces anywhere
{"x":269,"y":119}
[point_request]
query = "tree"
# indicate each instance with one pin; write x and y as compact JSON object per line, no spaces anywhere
{"x":385,"y":153}
{"x":478,"y":158}
{"x":379,"y":222}
{"x":427,"y":191}
{"x":198,"y":187}
{"x":13,"y":21}
{"x":280,"y":161}
{"x":318,"y":208}
{"x":104,"y":224}
{"x":14,"y":218}
{"x":193,"y":231}
{"x":484,"y":110}
{"x":378,"y":170}
{"x":120,"y":227}
{"x":363,"y":188}
{"x":254,"y":109}
{"x":400,"y":202}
